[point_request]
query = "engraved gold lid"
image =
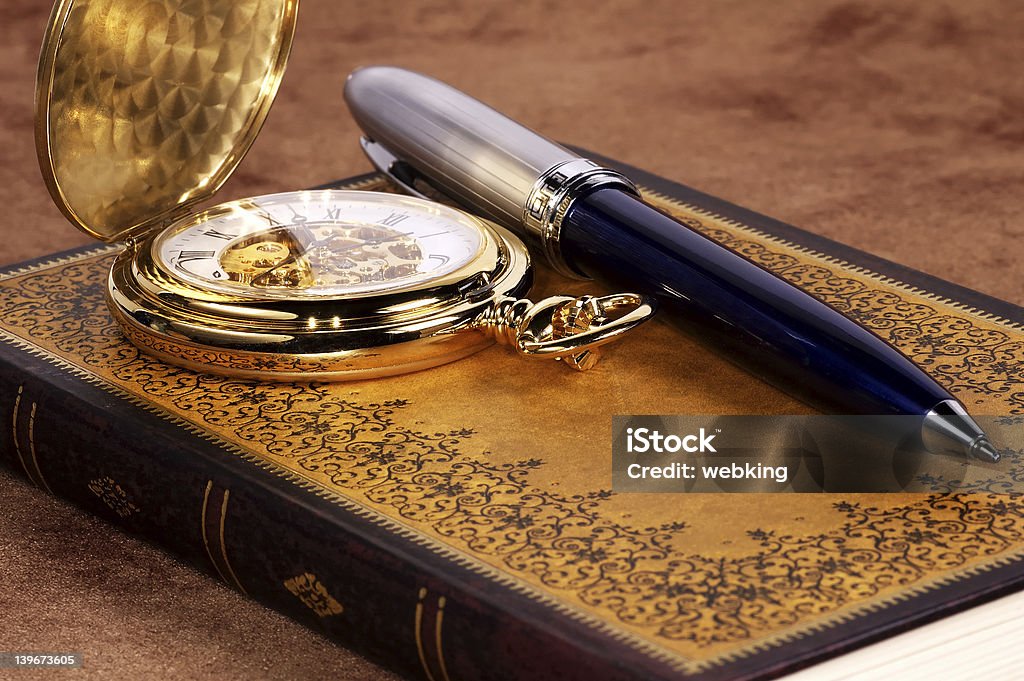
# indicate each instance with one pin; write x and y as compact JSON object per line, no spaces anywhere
{"x":145,"y":108}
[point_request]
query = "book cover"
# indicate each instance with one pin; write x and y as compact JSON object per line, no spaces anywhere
{"x":459,"y":523}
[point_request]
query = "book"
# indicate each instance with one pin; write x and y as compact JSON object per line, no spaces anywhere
{"x":459,"y":523}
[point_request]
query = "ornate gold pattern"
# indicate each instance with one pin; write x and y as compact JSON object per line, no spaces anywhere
{"x":111,"y":494}
{"x":197,"y":356}
{"x":690,"y":606}
{"x":313,"y":594}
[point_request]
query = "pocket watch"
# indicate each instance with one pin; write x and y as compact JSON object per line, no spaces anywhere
{"x":143,"y":111}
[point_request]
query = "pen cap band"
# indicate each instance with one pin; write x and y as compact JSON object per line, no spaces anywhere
{"x":552,"y":196}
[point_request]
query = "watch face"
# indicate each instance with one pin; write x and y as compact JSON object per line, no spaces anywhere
{"x":319,"y":244}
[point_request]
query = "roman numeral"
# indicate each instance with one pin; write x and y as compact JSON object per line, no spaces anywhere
{"x":187,"y":256}
{"x":214,"y":234}
{"x":393,"y":219}
{"x":333,"y":214}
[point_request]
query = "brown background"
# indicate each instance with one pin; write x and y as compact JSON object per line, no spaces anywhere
{"x":897,"y":128}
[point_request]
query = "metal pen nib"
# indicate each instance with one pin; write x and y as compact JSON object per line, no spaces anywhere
{"x":949,"y":429}
{"x":983,"y":449}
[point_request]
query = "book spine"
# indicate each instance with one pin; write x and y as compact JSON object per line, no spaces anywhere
{"x":343,"y":574}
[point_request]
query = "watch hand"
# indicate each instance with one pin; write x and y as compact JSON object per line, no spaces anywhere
{"x":310,"y":245}
{"x":309,"y":239}
{"x":293,"y":256}
{"x":249,"y":206}
{"x":304,"y":245}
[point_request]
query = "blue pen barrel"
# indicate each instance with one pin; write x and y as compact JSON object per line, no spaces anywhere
{"x":755,"y":318}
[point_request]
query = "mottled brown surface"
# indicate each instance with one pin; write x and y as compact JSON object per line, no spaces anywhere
{"x":896,"y":128}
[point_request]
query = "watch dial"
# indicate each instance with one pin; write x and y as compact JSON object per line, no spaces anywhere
{"x":319,"y":244}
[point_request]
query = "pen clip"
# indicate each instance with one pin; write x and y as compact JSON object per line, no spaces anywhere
{"x":401,"y":173}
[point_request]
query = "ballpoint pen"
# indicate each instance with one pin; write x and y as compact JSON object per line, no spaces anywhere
{"x":590,"y":221}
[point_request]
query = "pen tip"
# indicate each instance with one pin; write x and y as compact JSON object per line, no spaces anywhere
{"x":982,"y":449}
{"x":949,"y":429}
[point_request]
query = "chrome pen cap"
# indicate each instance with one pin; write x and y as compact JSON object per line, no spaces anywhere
{"x":464,"y":149}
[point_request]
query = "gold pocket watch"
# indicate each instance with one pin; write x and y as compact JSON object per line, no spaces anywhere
{"x":144,"y":110}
